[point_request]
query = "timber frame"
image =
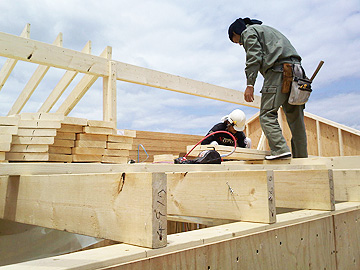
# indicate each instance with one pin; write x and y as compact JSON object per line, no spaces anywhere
{"x":285,"y":214}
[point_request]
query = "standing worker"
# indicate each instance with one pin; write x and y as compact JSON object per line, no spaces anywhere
{"x":233,"y":123}
{"x":269,"y":52}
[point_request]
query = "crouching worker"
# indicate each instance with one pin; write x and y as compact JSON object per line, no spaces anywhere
{"x":233,"y":123}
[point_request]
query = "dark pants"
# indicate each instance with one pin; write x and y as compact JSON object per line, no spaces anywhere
{"x":271,"y":100}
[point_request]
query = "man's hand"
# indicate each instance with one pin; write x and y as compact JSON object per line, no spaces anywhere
{"x":249,"y":93}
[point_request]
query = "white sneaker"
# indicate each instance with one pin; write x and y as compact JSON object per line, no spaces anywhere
{"x":285,"y":155}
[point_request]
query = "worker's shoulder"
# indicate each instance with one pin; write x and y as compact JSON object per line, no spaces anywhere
{"x":219,"y":126}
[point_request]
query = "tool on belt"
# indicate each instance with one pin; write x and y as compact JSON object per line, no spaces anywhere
{"x":296,"y":82}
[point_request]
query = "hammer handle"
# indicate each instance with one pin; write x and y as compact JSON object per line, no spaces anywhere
{"x":317,"y":70}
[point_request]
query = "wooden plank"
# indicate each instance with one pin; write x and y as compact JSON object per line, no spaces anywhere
{"x":86,"y":158}
{"x":90,"y":144}
{"x":5,"y":138}
{"x":347,"y":185}
{"x":38,"y":132}
{"x":88,"y":151}
{"x":239,"y":154}
{"x":60,"y":158}
{"x":10,"y":63}
{"x":98,"y":123}
{"x":32,"y":140}
{"x":69,"y":200}
{"x":2,"y":156}
{"x":65,"y":135}
{"x":117,"y":152}
{"x":236,"y":195}
{"x":33,"y":83}
{"x":122,"y":146}
{"x":91,"y":137}
{"x":42,"y":116}
{"x":99,"y":130}
{"x":29,"y":148}
{"x":65,"y":81}
{"x":115,"y":160}
{"x":68,"y":120}
{"x":5,"y":146}
{"x":27,"y":156}
{"x":59,"y":150}
{"x":9,"y":120}
{"x":81,"y":88}
{"x":46,"y":124}
{"x":119,"y":138}
{"x":305,"y":189}
{"x":144,"y":76}
{"x":71,"y":128}
{"x":318,"y":136}
{"x":8,"y":130}
{"x":63,"y":143}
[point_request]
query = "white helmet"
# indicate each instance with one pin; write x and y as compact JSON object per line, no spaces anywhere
{"x":237,"y":118}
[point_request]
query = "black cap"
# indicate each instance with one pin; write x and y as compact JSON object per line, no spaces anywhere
{"x":240,"y":25}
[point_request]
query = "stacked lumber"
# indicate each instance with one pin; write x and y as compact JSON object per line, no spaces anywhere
{"x":159,"y":143}
{"x":8,"y":128}
{"x":36,"y":131}
{"x":64,"y":142}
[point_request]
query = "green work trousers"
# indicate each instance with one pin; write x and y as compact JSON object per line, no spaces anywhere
{"x":271,"y":100}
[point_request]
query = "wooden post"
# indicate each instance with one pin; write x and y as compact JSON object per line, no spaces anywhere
{"x":318,"y":135}
{"x":109,"y":94}
{"x":341,"y":142}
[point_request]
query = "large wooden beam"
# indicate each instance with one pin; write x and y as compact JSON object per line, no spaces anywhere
{"x":125,"y":207}
{"x":305,"y":189}
{"x":109,"y":94}
{"x":236,"y":195}
{"x":50,"y":55}
{"x":144,"y":76}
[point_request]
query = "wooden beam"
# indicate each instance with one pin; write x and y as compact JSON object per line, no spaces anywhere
{"x":109,"y":94}
{"x":305,"y":189}
{"x":10,"y":63}
{"x":50,"y":55}
{"x":347,"y":185}
{"x":32,"y":83}
{"x":62,"y":85}
{"x":81,"y":88}
{"x":262,"y":141}
{"x":131,"y":208}
{"x":144,"y":76}
{"x":236,"y":195}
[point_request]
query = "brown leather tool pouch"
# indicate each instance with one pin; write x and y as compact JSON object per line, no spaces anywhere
{"x":287,"y":78}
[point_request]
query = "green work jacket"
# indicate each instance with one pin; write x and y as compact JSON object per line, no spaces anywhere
{"x":265,"y":47}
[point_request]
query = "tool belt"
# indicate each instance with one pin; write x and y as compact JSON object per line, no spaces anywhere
{"x":295,"y":82}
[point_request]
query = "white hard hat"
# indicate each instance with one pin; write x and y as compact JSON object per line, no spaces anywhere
{"x":237,"y":118}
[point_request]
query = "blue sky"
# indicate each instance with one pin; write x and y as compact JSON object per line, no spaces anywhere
{"x":189,"y":39}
